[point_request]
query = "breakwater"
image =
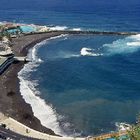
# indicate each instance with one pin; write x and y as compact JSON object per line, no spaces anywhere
{"x":87,"y":32}
{"x":100,"y":32}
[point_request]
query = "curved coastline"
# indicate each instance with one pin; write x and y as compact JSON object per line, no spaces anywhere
{"x":37,"y":39}
{"x":11,"y":105}
{"x":15,"y":106}
{"x":44,"y":112}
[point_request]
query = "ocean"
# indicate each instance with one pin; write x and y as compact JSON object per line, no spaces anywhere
{"x":80,"y":85}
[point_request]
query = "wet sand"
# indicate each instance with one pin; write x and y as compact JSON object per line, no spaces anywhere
{"x":11,"y":102}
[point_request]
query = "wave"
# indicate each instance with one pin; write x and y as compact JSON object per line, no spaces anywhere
{"x":89,"y":52}
{"x":76,"y":29}
{"x":127,"y":45}
{"x":83,"y":52}
{"x":133,"y":44}
{"x":41,"y":110}
{"x":63,"y":28}
{"x":60,"y":36}
{"x":65,"y":55}
{"x":57,"y":28}
{"x":44,"y":112}
{"x":71,"y":55}
{"x":33,"y":52}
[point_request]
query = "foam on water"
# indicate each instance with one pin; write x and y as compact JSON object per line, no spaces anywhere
{"x":76,"y":29}
{"x":89,"y":52}
{"x":44,"y":112}
{"x":83,"y":52}
{"x":133,"y":44}
{"x":60,"y":36}
{"x":57,"y":28}
{"x":68,"y":55}
{"x":63,"y":28}
{"x":127,"y":45}
{"x":136,"y":37}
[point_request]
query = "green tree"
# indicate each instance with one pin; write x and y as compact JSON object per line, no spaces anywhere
{"x":134,"y":132}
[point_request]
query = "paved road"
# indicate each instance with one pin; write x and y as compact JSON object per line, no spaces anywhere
{"x":4,"y":133}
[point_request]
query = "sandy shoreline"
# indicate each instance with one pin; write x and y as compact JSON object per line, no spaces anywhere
{"x":13,"y":105}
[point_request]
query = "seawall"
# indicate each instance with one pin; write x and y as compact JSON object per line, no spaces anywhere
{"x":88,"y":32}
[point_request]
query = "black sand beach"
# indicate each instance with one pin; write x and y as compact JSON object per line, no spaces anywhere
{"x":11,"y":102}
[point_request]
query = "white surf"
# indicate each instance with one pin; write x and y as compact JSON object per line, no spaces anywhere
{"x":89,"y":52}
{"x":127,"y":45}
{"x":43,"y":111}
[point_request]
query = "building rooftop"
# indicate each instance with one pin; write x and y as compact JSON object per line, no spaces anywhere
{"x":2,"y":60}
{"x":6,"y":52}
{"x":5,"y":49}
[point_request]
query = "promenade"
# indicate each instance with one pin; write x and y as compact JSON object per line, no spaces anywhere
{"x":23,"y":130}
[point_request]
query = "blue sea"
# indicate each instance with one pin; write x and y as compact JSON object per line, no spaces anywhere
{"x":80,"y":85}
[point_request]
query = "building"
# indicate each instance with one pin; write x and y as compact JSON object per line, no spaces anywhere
{"x":6,"y":56}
